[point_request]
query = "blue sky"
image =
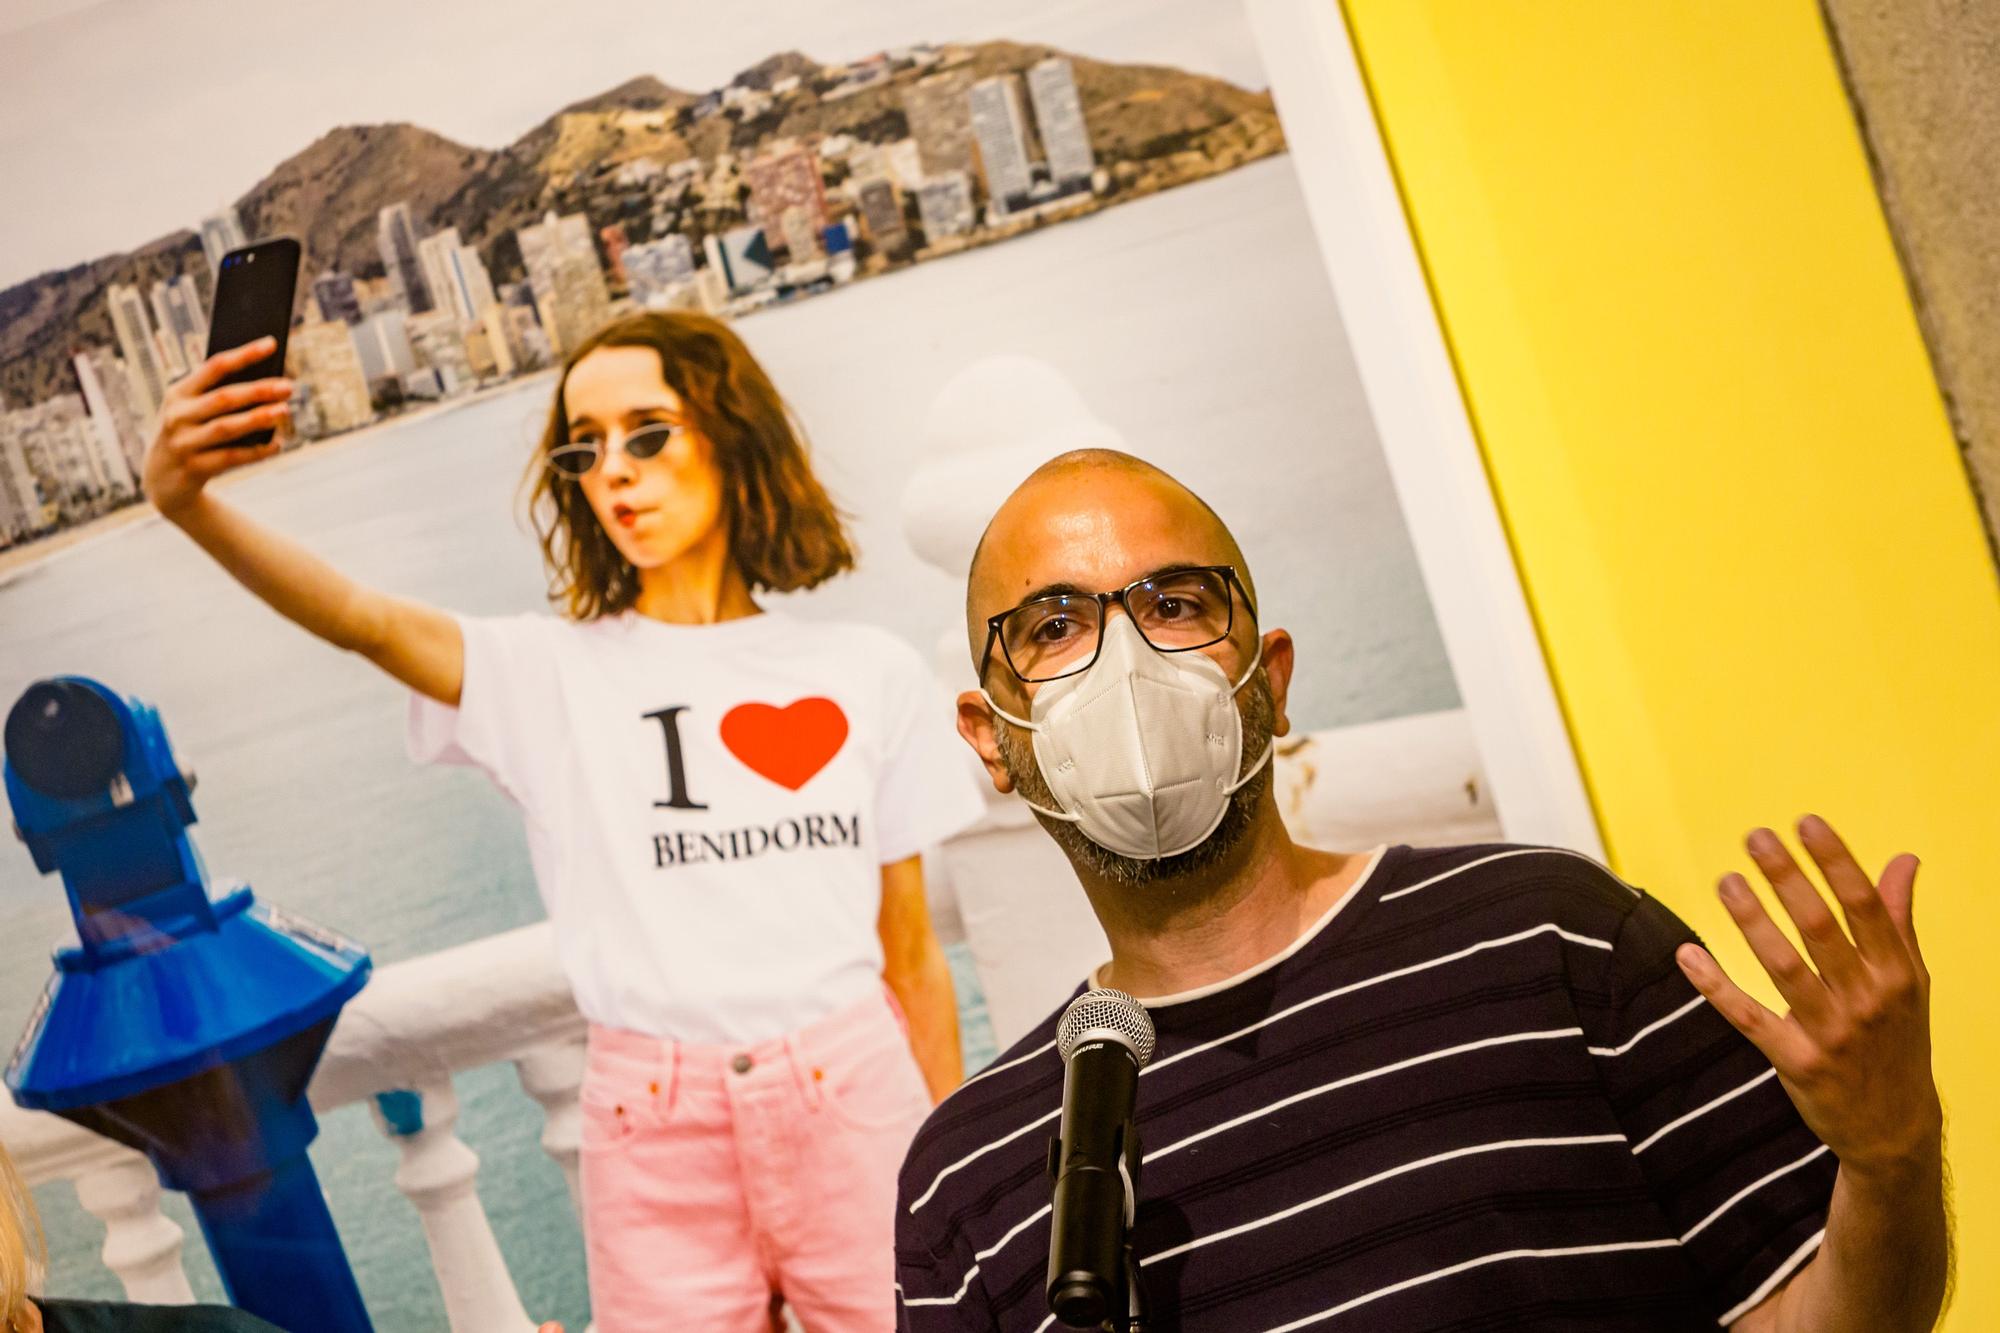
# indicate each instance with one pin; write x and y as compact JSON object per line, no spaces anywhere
{"x":121,"y":120}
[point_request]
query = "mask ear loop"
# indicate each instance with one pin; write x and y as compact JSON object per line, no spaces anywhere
{"x":1270,"y":746}
{"x":1029,"y":727}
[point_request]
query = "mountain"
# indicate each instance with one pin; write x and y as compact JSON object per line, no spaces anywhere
{"x":329,"y":194}
{"x":637,"y":94}
{"x":44,"y":321}
{"x":776,"y":69}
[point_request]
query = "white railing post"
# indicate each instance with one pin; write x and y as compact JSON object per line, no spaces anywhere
{"x":439,"y":1175}
{"x":552,"y":1075}
{"x":142,"y":1245}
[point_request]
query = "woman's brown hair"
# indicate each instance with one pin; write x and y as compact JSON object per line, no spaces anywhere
{"x":784,"y":531}
{"x":22,"y":1257}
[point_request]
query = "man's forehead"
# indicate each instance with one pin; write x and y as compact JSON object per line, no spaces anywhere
{"x":1094,"y":529}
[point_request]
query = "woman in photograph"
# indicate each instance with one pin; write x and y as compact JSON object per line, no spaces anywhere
{"x":725,"y":807}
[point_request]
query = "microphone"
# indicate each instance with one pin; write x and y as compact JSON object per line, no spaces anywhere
{"x":1105,"y":1038}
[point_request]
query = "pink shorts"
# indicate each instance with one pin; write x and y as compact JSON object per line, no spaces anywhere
{"x":716,"y":1178}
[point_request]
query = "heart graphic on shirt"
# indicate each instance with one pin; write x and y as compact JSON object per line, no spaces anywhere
{"x":787,"y":745}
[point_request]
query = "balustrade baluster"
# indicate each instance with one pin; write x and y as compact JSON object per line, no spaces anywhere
{"x":439,"y":1175}
{"x":142,"y":1245}
{"x":552,"y":1075}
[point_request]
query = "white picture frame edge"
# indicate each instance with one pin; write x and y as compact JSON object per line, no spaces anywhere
{"x":1337,"y":150}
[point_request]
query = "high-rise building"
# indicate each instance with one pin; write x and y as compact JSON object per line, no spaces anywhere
{"x":396,"y":239}
{"x":901,"y":161}
{"x":882,"y":214}
{"x":327,"y":365}
{"x":570,"y":296}
{"x":107,"y":393}
{"x":142,"y":355}
{"x":434,"y":258}
{"x":1000,"y":125}
{"x":183,"y":328}
{"x":382,"y":345}
{"x":439,"y":343}
{"x":788,"y":200}
{"x":220,"y":233}
{"x":338,"y":299}
{"x":488,"y":345}
{"x":60,"y":449}
{"x":1059,"y":117}
{"x":940,"y":120}
{"x":655,"y":270}
{"x":527,"y":340}
{"x":801,"y":231}
{"x":944,"y":202}
{"x":456,"y":275}
{"x":23,"y":511}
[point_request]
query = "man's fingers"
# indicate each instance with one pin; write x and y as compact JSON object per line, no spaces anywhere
{"x":1800,"y":986}
{"x":225,"y":430}
{"x":1763,"y":1029}
{"x":1828,"y":945}
{"x":223,"y":364}
{"x":1898,"y":887}
{"x":1875,"y":935}
{"x":231,"y":398}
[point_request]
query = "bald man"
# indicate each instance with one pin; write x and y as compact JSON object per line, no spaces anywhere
{"x":1464,"y":1088}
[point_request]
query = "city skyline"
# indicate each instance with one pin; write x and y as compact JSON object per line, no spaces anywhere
{"x":119,"y":157}
{"x":995,"y":138}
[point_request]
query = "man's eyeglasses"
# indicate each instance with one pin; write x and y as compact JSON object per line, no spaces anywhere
{"x":584,"y":451}
{"x":1059,"y":635}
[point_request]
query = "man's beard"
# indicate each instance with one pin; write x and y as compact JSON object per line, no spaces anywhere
{"x":1017,"y":753}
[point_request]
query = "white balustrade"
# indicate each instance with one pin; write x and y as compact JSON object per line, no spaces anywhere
{"x":439,"y":1175}
{"x":417,"y":1022}
{"x":142,"y":1245}
{"x":552,"y":1075}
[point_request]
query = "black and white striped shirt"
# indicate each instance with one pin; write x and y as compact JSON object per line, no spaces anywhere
{"x":1478,"y":1095}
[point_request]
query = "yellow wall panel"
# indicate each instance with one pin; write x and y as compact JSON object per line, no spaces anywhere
{"x":1742,"y":523}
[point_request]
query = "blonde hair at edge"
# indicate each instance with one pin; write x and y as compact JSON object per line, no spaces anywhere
{"x":22,"y":1256}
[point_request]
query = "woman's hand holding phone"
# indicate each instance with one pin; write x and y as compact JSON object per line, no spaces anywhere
{"x":199,"y":423}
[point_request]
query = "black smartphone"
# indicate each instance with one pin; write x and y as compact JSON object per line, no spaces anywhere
{"x":255,"y":288}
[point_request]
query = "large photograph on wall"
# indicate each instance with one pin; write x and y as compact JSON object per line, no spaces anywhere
{"x":956,"y":236}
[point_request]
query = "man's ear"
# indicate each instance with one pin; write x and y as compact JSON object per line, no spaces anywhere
{"x":1278,"y":662}
{"x":975,"y":723}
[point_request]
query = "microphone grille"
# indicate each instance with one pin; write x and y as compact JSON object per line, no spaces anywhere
{"x":1106,"y":1013}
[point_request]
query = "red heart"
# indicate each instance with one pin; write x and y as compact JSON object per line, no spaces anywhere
{"x":787,"y":745}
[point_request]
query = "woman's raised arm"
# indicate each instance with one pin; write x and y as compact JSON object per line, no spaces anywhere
{"x":199,"y":426}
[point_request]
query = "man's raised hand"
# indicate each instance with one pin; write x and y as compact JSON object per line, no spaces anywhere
{"x":1854,"y":1052}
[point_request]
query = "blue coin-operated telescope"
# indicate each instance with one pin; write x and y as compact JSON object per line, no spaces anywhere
{"x":183,"y":1027}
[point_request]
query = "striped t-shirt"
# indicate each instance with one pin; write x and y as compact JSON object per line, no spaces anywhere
{"x":1479,"y":1094}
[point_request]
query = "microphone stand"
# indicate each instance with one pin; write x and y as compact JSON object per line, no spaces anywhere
{"x":1128,"y":1291}
{"x":1135,"y":1294}
{"x":1135,"y":1291}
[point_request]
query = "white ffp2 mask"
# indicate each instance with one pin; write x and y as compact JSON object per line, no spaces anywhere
{"x":1142,"y":750}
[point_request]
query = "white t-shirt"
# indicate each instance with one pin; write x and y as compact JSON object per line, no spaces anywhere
{"x":709,"y":806}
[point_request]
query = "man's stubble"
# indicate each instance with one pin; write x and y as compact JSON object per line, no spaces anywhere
{"x":1189,"y":868}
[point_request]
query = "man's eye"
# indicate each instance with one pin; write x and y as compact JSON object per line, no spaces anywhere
{"x":1054,"y":630}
